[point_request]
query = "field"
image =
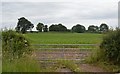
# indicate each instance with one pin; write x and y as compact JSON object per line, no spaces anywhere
{"x":66,"y":59}
{"x":72,"y":55}
{"x":64,"y":38}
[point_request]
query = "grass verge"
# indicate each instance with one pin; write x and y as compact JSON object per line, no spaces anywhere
{"x":20,"y":65}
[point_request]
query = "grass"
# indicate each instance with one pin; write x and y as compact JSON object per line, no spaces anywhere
{"x":60,"y":64}
{"x":28,"y":64}
{"x":20,"y":65}
{"x":64,"y":38}
{"x":70,"y":64}
{"x":23,"y":65}
{"x":98,"y":59}
{"x":109,"y":67}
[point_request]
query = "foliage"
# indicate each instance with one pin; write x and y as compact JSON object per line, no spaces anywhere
{"x":107,"y":56}
{"x":14,"y":45}
{"x":78,"y":28}
{"x":57,"y":28}
{"x":23,"y":25}
{"x":40,"y":27}
{"x":110,"y":46}
{"x":104,"y":27}
{"x":45,"y":29}
{"x":93,"y":29}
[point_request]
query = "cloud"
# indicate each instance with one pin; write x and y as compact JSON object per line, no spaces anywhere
{"x":68,"y":13}
{"x":58,"y":1}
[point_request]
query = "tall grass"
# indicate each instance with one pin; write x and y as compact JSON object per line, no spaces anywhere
{"x":21,"y":65}
{"x":69,"y":64}
{"x":58,"y":64}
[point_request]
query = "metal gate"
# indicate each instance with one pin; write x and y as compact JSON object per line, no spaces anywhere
{"x":64,"y":51}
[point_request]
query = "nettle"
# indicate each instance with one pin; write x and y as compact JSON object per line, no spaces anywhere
{"x":111,"y":46}
{"x":14,"y":45}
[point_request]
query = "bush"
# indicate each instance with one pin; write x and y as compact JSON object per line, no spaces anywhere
{"x":110,"y":47}
{"x":14,"y":45}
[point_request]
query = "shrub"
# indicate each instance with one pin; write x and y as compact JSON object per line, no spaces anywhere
{"x":110,"y":46}
{"x":14,"y":45}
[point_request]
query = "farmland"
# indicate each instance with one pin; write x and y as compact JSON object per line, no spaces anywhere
{"x":70,"y":52}
{"x":58,"y":59}
{"x":64,"y":38}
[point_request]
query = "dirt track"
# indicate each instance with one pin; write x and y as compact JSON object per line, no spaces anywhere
{"x":69,"y":55}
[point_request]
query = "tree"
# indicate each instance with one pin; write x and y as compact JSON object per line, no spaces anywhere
{"x":97,"y":28}
{"x":78,"y":28}
{"x":104,"y":27}
{"x":58,"y":28}
{"x":40,"y":27}
{"x":45,"y":29}
{"x":23,"y":25}
{"x":62,"y":27}
{"x":52,"y":27}
{"x":93,"y":28}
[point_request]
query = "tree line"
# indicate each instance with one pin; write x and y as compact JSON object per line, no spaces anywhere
{"x":24,"y":25}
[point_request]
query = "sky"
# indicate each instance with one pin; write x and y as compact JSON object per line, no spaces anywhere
{"x":69,"y":12}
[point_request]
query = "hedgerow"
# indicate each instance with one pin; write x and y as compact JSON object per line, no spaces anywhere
{"x":14,"y":45}
{"x":111,"y":47}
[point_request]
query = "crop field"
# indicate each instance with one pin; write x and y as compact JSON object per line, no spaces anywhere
{"x":64,"y":38}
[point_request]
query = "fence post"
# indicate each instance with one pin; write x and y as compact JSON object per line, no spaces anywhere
{"x":63,"y":52}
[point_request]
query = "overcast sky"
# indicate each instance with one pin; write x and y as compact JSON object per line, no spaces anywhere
{"x":69,"y":13}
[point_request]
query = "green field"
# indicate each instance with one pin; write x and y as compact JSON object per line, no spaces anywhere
{"x":64,"y":38}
